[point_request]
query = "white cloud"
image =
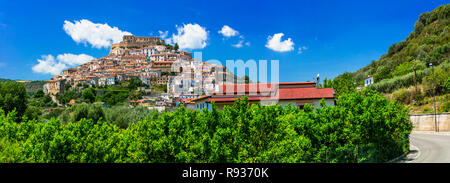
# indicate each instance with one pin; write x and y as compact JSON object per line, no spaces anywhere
{"x":301,"y":49}
{"x":163,"y":34}
{"x":190,"y":36}
{"x":238,"y":45}
{"x":49,"y":65}
{"x":227,"y":31}
{"x":71,"y":59}
{"x":98,"y":35}
{"x":274,"y":43}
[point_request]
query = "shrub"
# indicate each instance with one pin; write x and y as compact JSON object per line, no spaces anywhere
{"x":33,"y":112}
{"x":13,"y":96}
{"x":83,"y":111}
{"x":362,"y":127}
{"x":122,"y":116}
{"x":390,"y":85}
{"x":445,"y":107}
{"x":427,"y":109}
{"x":402,"y":95}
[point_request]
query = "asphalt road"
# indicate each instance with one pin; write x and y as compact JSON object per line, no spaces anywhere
{"x":428,"y":147}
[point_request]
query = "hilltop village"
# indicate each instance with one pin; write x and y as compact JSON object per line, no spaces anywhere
{"x":150,"y":60}
{"x":185,"y":80}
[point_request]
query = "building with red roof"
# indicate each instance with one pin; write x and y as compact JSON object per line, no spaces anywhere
{"x":294,"y":93}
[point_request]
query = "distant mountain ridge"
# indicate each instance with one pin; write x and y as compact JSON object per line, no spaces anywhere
{"x":31,"y":85}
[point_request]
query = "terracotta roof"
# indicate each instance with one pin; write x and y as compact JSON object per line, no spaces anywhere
{"x":164,"y":62}
{"x":299,"y":91}
{"x":247,"y":88}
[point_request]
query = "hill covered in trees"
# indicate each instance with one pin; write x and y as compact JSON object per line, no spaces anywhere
{"x":394,"y":72}
{"x":428,"y":43}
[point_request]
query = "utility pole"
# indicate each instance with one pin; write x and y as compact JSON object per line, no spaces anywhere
{"x":434,"y":97}
{"x":415,"y":80}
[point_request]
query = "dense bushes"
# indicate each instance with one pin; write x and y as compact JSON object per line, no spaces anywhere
{"x":390,"y":85}
{"x":86,"y":111}
{"x":122,"y":116}
{"x":362,"y":127}
{"x":13,"y":96}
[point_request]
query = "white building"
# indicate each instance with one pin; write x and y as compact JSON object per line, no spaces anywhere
{"x":368,"y":80}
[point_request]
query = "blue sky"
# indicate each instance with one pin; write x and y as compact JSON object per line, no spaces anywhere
{"x":339,"y":36}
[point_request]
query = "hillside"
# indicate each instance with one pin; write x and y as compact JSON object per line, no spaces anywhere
{"x":428,"y":43}
{"x":31,"y":86}
{"x":34,"y":86}
{"x":394,"y":73}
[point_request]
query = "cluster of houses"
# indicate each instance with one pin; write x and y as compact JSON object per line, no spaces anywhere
{"x":191,"y":82}
{"x":148,"y":59}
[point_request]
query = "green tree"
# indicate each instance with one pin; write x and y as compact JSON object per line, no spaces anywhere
{"x":33,"y":112}
{"x":87,"y":111}
{"x":68,"y":86}
{"x":39,"y":94}
{"x":343,"y":84}
{"x":176,"y":47}
{"x":13,"y":96}
{"x":89,"y":95}
{"x":447,"y":85}
{"x":135,"y":82}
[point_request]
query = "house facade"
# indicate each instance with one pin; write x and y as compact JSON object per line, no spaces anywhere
{"x":296,"y":94}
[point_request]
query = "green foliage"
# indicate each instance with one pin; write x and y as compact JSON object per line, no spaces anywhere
{"x":159,"y":88}
{"x":67,"y":86}
{"x":343,"y":84}
{"x":39,"y":94}
{"x":429,"y":43}
{"x":135,"y":95}
{"x":327,"y":83}
{"x":68,"y":96}
{"x":83,"y":111}
{"x":437,"y":79}
{"x":33,"y":112}
{"x":447,"y":85}
{"x":403,"y":96}
{"x":114,"y":97}
{"x":427,"y":110}
{"x":13,"y":96}
{"x":122,"y":116}
{"x":408,"y":67}
{"x":362,"y":127}
{"x":135,"y":82}
{"x":88,"y":95}
{"x":34,"y":86}
{"x":390,"y":85}
{"x":445,"y":107}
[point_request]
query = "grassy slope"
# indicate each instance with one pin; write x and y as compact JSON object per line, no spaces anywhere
{"x":428,"y":43}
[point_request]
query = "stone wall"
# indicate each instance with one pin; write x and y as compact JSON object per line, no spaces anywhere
{"x":426,"y":122}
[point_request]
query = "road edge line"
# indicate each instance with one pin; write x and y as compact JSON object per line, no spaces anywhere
{"x":405,"y":154}
{"x":398,"y":158}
